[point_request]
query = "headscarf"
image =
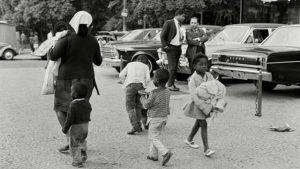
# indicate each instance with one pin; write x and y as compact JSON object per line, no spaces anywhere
{"x":81,"y":17}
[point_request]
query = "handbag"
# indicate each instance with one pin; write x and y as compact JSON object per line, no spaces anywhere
{"x":50,"y":77}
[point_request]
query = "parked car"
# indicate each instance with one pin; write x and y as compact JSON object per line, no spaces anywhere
{"x":278,"y":58}
{"x":7,"y":52}
{"x":231,"y":36}
{"x":240,"y":35}
{"x":8,"y":41}
{"x":131,"y":45}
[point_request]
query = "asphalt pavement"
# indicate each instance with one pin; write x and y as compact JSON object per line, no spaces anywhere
{"x":30,"y":133}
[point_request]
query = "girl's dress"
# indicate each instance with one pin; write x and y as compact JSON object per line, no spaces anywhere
{"x":195,"y":107}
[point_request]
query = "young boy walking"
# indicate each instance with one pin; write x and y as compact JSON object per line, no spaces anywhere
{"x":158,"y":110}
{"x":136,"y":76}
{"x":76,"y":124}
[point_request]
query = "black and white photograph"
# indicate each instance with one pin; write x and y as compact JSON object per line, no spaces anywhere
{"x":150,"y":84}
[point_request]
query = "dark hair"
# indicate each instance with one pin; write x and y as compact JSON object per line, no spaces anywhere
{"x":179,"y":12}
{"x":142,"y":58}
{"x":197,"y":58}
{"x":80,"y":89}
{"x":162,"y":75}
{"x":61,"y":26}
{"x":83,"y":30}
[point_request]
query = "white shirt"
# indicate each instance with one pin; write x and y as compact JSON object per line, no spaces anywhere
{"x":135,"y":72}
{"x":176,"y":41}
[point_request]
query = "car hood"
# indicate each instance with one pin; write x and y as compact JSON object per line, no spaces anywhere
{"x":259,"y":50}
{"x":3,"y":45}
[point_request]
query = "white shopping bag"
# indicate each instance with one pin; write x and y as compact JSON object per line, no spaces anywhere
{"x":50,"y":77}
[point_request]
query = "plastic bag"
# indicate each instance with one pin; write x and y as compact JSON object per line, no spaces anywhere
{"x":50,"y":77}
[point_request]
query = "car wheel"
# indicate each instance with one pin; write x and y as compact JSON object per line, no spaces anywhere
{"x":150,"y":64}
{"x":266,"y":86}
{"x":8,"y":54}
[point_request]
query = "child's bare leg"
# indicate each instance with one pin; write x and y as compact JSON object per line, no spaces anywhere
{"x":194,"y":130}
{"x":203,"y":125}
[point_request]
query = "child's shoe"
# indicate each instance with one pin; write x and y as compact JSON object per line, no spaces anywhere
{"x":133,"y":131}
{"x":152,"y":158}
{"x":84,"y":156}
{"x":209,"y":152}
{"x":77,"y":164}
{"x":64,"y":149}
{"x":191,"y":144}
{"x":166,"y":158}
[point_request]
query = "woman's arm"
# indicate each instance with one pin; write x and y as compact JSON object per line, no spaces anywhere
{"x":97,"y":57}
{"x":59,"y":49}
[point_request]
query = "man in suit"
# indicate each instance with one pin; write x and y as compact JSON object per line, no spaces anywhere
{"x":196,"y":37}
{"x":171,"y":40}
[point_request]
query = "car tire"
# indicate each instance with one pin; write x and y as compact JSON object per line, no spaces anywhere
{"x":266,"y":86}
{"x":151,"y":64}
{"x":8,"y":54}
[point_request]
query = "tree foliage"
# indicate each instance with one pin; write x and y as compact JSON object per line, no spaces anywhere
{"x":36,"y":15}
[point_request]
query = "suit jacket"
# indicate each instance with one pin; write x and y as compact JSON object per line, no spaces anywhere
{"x":194,"y":45}
{"x":168,"y":33}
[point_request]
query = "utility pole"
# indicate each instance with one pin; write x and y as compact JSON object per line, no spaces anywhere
{"x":241,"y":10}
{"x":201,"y":19}
{"x":124,"y":17}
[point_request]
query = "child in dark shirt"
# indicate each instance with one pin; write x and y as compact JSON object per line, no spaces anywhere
{"x":77,"y":121}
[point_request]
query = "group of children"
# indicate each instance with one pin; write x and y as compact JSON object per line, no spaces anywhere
{"x":135,"y":77}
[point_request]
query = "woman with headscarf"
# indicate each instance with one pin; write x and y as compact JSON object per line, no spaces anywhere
{"x":78,"y":51}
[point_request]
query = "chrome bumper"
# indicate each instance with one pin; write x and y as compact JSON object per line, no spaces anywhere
{"x":112,"y":62}
{"x":242,"y":73}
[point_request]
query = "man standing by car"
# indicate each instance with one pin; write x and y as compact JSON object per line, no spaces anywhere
{"x":196,"y":37}
{"x":171,"y":39}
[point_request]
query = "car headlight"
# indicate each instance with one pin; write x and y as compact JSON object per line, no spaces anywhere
{"x":215,"y":57}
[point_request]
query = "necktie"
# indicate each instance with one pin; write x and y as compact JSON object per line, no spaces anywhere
{"x":179,"y":32}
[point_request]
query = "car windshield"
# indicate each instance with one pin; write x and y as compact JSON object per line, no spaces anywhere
{"x":157,"y":36}
{"x":285,"y":36}
{"x":231,"y":34}
{"x":136,"y":35}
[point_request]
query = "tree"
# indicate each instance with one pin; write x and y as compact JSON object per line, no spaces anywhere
{"x":36,"y":15}
{"x":97,"y":8}
{"x":157,"y":11}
